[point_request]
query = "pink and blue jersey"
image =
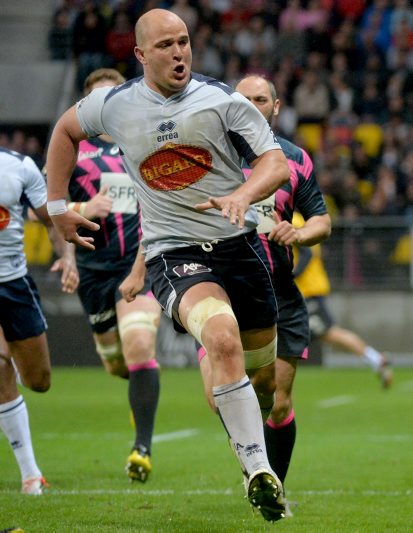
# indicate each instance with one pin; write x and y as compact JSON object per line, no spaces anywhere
{"x":117,"y":240}
{"x":300,"y":193}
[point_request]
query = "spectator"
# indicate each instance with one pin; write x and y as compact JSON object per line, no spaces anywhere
{"x":311,"y":99}
{"x":205,"y":56}
{"x":89,"y":41}
{"x":18,"y":141}
{"x":188,"y":14}
{"x":35,"y":150}
{"x":60,"y":36}
{"x":255,"y":38}
{"x":385,"y":200}
{"x":120,"y":42}
{"x":402,"y":13}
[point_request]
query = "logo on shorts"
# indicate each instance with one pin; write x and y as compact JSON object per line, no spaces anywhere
{"x":4,"y":217}
{"x":190,"y":269}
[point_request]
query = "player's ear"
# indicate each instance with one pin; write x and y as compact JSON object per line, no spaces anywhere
{"x":139,"y":54}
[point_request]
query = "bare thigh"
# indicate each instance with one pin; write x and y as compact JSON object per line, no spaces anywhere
{"x":32,"y":359}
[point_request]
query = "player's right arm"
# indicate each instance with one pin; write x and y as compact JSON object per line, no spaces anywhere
{"x":61,"y":160}
{"x":134,"y":282}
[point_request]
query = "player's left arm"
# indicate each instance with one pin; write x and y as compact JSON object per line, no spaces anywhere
{"x":316,"y":229}
{"x":66,"y":261}
{"x":270,"y":171}
{"x":61,"y":160}
{"x":134,"y":281}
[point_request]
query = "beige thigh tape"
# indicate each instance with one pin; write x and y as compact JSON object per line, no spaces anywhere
{"x":203,"y":311}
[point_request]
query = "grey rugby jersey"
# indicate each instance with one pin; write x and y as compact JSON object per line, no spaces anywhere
{"x":21,"y":184}
{"x":179,"y":151}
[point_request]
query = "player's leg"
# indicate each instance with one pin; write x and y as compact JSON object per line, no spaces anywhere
{"x":351,"y":342}
{"x":138,"y":322}
{"x":323,"y":326}
{"x":293,"y":339}
{"x":109,"y":348}
{"x":24,"y":330}
{"x":31,"y":357}
{"x":102,"y":318}
{"x":280,"y":428}
{"x":203,"y":308}
{"x":263,"y":381}
{"x":205,"y":311}
{"x":207,"y":314}
{"x":32,"y":360}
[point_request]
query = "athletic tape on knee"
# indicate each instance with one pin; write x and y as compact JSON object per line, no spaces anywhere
{"x":109,"y":352}
{"x":138,"y":320}
{"x":262,"y":357}
{"x":203,"y":311}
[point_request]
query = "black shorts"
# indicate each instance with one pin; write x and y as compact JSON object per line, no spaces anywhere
{"x":99,"y":292}
{"x":238,"y":265}
{"x":320,"y":317}
{"x":21,"y":315}
{"x":292,"y":326}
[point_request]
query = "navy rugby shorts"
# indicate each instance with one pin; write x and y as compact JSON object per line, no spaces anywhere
{"x":292,"y":326}
{"x":321,"y":319}
{"x":21,"y":315}
{"x":238,"y":264}
{"x":99,"y":292}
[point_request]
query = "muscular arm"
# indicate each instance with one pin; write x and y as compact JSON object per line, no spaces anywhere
{"x":61,"y":160}
{"x":315,"y":230}
{"x":270,"y":171}
{"x":62,"y":154}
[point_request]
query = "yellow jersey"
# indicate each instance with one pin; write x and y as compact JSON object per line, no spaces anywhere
{"x":313,"y":281}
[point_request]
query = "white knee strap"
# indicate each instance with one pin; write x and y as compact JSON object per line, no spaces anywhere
{"x":109,"y":352}
{"x":138,"y":320}
{"x":203,"y":311}
{"x":262,"y":357}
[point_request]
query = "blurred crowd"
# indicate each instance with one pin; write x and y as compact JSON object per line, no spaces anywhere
{"x":24,"y":142}
{"x":343,"y":70}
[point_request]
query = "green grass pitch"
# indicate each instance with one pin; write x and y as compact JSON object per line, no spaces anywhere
{"x":352,"y":469}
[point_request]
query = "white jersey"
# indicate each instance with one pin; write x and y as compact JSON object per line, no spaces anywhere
{"x":21,"y":184}
{"x":179,"y":151}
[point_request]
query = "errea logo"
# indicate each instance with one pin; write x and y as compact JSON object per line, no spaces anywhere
{"x":166,"y":126}
{"x":167,"y":129}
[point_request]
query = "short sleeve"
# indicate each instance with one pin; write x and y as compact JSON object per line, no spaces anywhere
{"x":89,"y":111}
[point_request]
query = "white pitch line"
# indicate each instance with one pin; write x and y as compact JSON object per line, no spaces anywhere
{"x":214,"y":492}
{"x":163,"y":437}
{"x":336,"y":401}
{"x":175,"y":435}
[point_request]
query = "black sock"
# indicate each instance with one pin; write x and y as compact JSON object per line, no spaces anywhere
{"x":144,"y":389}
{"x":279,"y":442}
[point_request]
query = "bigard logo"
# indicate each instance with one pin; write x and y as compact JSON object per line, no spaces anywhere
{"x":175,"y":166}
